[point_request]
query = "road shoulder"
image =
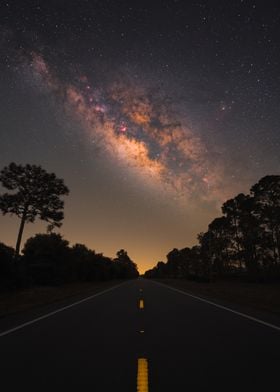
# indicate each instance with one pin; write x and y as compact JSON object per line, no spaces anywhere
{"x":25,"y":305}
{"x":239,"y":298}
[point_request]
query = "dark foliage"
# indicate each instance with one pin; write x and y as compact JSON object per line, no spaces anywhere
{"x":243,"y":243}
{"x":6,"y":265}
{"x":49,"y":260}
{"x":123,"y":266}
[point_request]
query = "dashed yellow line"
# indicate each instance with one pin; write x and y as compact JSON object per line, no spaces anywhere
{"x":141,"y":304}
{"x":142,"y":375}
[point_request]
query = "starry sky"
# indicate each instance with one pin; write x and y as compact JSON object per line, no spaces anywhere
{"x":154,"y":113}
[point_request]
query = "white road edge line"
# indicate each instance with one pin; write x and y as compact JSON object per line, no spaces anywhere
{"x":221,"y":306}
{"x":59,"y":310}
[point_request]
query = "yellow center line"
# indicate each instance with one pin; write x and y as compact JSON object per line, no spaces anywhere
{"x":141,"y":304}
{"x":142,"y":375}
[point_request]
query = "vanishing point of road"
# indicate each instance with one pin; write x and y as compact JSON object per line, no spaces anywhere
{"x":143,"y":336}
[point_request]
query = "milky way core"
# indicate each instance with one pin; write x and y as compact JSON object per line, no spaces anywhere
{"x":138,"y":127}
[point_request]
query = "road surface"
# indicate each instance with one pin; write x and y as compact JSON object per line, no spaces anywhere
{"x":171,"y":341}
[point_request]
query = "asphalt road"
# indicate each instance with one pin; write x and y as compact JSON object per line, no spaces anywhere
{"x":189,"y":345}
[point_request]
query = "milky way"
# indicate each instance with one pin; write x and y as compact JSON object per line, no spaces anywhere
{"x":138,"y":128}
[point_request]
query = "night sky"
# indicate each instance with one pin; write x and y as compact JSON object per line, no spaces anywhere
{"x":154,"y":113}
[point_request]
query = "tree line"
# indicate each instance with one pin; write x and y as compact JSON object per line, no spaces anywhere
{"x":47,"y":259}
{"x":244,"y":242}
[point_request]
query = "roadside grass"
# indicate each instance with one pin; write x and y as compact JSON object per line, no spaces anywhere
{"x":18,"y":301}
{"x":255,"y":296}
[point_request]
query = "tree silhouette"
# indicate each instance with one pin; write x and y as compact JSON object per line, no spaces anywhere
{"x":244,"y":242}
{"x":233,"y":210}
{"x":220,"y":232}
{"x":47,"y":258}
{"x":127,"y":268}
{"x":6,"y":270}
{"x":174,"y":263}
{"x":36,"y":194}
{"x":266,"y":194}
